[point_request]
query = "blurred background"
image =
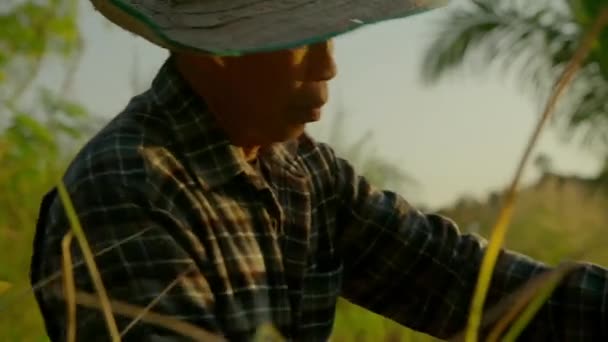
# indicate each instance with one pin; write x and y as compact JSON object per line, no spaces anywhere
{"x":435,"y":106}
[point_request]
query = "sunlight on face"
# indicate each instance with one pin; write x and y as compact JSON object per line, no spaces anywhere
{"x":299,"y":54}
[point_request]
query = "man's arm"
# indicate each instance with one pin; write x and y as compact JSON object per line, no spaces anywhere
{"x":139,"y":259}
{"x":420,"y":271}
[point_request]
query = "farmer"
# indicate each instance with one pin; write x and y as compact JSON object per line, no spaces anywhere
{"x":206,"y":192}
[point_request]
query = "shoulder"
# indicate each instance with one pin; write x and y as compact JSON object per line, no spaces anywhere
{"x":116,"y":153}
{"x":119,"y":163}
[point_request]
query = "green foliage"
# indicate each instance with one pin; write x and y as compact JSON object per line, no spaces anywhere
{"x":583,"y":12}
{"x":554,"y":219}
{"x":35,"y":122}
{"x":537,"y":38}
{"x":36,"y":125}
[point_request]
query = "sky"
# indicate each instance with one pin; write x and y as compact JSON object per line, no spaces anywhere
{"x":464,"y":135}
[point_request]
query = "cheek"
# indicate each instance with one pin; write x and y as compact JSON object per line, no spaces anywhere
{"x":270,"y":97}
{"x":267,"y":90}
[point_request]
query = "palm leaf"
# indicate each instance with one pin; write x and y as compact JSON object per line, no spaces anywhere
{"x":535,"y":39}
{"x":489,"y":31}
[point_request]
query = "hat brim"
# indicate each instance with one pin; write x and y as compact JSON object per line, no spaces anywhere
{"x":246,"y":29}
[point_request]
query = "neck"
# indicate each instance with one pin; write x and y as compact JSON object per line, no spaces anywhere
{"x":213,"y":100}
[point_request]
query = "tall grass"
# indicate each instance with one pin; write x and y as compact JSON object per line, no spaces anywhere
{"x":89,"y":259}
{"x":500,"y":229}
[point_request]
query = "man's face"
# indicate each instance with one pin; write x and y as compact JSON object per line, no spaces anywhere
{"x":268,"y":97}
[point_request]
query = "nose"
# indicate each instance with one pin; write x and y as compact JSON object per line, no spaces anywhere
{"x":320,"y":63}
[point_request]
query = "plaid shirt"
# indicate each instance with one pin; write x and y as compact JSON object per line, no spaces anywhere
{"x":277,"y":242}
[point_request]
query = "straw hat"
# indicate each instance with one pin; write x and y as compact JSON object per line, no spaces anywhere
{"x":235,"y":27}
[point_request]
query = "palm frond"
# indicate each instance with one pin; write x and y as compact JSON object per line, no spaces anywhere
{"x":534,"y":38}
{"x":528,"y":35}
{"x":584,"y":112}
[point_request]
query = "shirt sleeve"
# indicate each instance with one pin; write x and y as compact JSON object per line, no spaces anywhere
{"x":419,"y":270}
{"x":142,"y":254}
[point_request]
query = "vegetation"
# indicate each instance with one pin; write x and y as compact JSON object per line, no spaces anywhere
{"x":537,"y":40}
{"x":36,"y":122}
{"x":557,"y":217}
{"x":574,"y":56}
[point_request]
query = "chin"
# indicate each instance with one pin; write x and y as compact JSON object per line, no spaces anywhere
{"x":290,"y":133}
{"x":296,"y":132}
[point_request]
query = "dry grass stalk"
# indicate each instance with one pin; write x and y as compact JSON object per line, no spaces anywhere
{"x":509,"y":308}
{"x":186,"y":329}
{"x":531,"y":293}
{"x":69,"y":287}
{"x":154,"y":302}
{"x":90,"y":262}
{"x":46,"y":281}
{"x":548,"y":286}
{"x":500,"y":228}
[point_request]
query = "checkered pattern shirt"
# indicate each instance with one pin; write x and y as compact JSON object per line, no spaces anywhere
{"x":163,"y":193}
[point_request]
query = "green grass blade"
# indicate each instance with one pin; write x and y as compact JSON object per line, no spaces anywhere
{"x":522,"y":298}
{"x":487,"y":268}
{"x":21,"y":294}
{"x":69,"y":287}
{"x":499,"y":230}
{"x":168,"y":322}
{"x":551,"y":282}
{"x":90,"y":261}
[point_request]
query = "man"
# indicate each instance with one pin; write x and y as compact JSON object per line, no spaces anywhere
{"x":206,"y":193}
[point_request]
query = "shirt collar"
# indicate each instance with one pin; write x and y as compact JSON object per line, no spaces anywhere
{"x":202,"y":141}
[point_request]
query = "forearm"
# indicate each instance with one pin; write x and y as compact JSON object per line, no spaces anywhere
{"x":424,"y":278}
{"x":417,"y":270}
{"x":576,"y":310}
